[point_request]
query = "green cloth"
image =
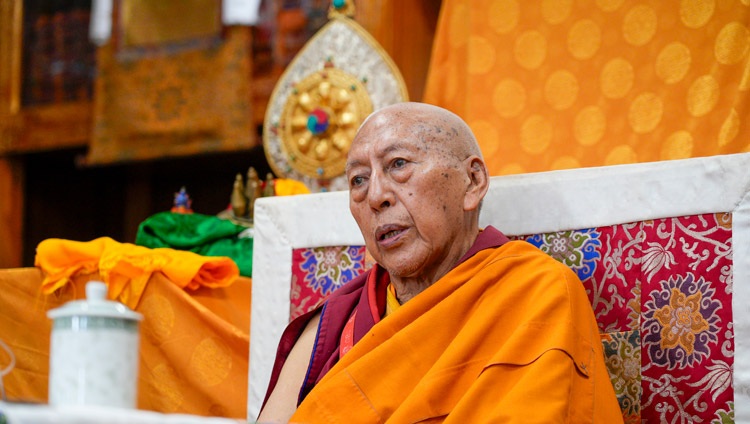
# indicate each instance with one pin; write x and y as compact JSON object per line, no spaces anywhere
{"x":205,"y":235}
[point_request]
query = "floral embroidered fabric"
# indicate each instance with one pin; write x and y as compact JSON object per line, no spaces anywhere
{"x":661,"y":291}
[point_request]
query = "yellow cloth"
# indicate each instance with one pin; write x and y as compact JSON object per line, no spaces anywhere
{"x":507,"y":336}
{"x":126,"y":267}
{"x":193,"y":352}
{"x":391,"y":300}
{"x":288,"y":187}
{"x":567,"y":84}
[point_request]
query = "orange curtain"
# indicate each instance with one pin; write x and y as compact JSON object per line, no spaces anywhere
{"x":193,"y":353}
{"x":557,"y":84}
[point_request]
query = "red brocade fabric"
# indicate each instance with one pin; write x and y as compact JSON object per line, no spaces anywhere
{"x":317,"y":272}
{"x":662,"y":295}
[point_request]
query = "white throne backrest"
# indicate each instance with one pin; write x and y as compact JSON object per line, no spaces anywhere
{"x":641,"y":237}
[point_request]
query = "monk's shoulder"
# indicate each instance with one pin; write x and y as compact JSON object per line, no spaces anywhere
{"x":524,"y":264}
{"x":521,"y":250}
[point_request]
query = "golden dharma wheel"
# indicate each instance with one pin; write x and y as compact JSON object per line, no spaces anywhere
{"x":334,"y":82}
{"x":319,"y":120}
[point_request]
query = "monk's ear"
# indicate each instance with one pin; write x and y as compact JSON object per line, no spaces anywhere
{"x":479,"y":182}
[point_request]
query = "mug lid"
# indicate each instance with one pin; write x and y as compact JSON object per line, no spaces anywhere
{"x":95,"y":305}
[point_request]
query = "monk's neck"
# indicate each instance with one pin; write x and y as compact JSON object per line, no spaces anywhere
{"x":408,"y":288}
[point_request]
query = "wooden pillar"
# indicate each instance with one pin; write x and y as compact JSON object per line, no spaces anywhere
{"x":11,"y":169}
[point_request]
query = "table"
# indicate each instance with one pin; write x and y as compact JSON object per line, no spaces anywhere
{"x":27,"y":413}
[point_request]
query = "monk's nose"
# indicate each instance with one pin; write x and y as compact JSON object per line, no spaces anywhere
{"x":380,"y":195}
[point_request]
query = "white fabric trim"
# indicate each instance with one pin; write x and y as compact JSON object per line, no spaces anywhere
{"x":741,"y":308}
{"x":100,"y":23}
{"x":592,"y":197}
{"x":516,"y":204}
{"x":240,"y":12}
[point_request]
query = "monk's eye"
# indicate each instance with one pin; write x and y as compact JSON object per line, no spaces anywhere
{"x":398,"y":163}
{"x":356,"y":181}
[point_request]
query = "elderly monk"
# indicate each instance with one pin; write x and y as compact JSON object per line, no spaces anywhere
{"x":454,"y":323}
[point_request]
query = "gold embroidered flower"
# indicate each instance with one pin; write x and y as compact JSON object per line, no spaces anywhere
{"x":681,"y":321}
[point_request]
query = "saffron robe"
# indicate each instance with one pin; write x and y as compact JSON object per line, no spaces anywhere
{"x":508,"y":335}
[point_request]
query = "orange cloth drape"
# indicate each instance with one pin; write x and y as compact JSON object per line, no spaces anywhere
{"x":194,"y":346}
{"x":430,"y":361}
{"x":126,"y":267}
{"x":576,"y":83}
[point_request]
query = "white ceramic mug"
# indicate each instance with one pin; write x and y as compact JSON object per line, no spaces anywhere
{"x":94,"y":352}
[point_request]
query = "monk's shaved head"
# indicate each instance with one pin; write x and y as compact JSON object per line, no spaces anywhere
{"x":432,"y":125}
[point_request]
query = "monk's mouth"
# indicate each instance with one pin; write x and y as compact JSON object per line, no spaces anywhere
{"x":388,"y":232}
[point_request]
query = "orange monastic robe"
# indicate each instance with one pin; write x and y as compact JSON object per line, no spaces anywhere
{"x":507,"y":336}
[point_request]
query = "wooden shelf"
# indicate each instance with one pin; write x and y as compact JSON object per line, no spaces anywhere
{"x":59,"y":126}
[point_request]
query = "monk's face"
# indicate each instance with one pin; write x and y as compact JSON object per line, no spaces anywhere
{"x":407,"y":189}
